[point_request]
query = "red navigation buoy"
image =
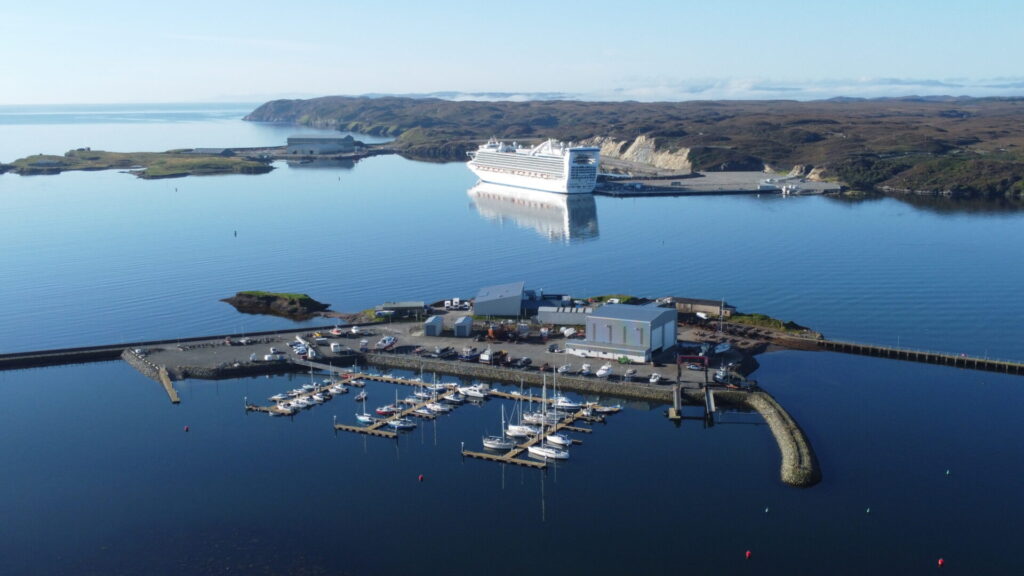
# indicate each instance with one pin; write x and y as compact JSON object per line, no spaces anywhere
{"x":186,"y":428}
{"x":941,"y":562}
{"x":747,"y":555}
{"x":421,"y":477}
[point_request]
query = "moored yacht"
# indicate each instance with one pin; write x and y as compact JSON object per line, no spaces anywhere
{"x":548,"y":452}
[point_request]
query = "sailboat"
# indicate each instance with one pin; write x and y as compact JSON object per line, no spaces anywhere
{"x":364,"y":417}
{"x":499,"y":442}
{"x":547,"y":451}
{"x":399,"y":423}
{"x":519,"y":430}
{"x":389,"y":409}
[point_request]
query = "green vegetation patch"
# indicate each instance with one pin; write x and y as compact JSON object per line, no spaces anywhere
{"x":143,"y":164}
{"x":284,"y":295}
{"x":764,"y":321}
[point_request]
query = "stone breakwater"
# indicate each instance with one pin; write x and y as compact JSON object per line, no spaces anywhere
{"x":799,"y":464}
{"x":140,"y":362}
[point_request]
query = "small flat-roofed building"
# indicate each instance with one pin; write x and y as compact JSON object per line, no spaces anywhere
{"x":464,"y":327}
{"x":620,"y":330}
{"x":501,"y":300}
{"x":399,"y":309}
{"x":711,"y":308}
{"x":433,"y":326}
{"x":314,"y":145}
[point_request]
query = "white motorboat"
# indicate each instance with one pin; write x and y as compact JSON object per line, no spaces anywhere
{"x":585,"y":370}
{"x":401,"y":424}
{"x":338,"y":389}
{"x":475,"y":391}
{"x":605,"y":370}
{"x":559,"y":439}
{"x":386,"y":343}
{"x":278,"y":397}
{"x":318,"y":398}
{"x":606,"y":409}
{"x":655,"y":378}
{"x":302,"y":402}
{"x":308,"y":387}
{"x":438,"y":408}
{"x":282,"y":410}
{"x":456,"y":398}
{"x":628,"y":376}
{"x":548,"y":452}
{"x":564,"y":403}
{"x":520,"y":430}
{"x":564,"y":369}
{"x":387,"y":410}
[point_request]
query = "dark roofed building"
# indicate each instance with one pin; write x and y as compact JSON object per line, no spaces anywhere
{"x":314,"y":145}
{"x":500,"y":300}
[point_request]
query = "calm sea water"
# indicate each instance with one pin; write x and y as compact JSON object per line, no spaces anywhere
{"x":100,"y":477}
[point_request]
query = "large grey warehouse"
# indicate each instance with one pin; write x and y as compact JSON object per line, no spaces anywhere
{"x":618,"y":330}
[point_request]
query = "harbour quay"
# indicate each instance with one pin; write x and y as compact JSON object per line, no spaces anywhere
{"x":707,"y":183}
{"x":348,"y":354}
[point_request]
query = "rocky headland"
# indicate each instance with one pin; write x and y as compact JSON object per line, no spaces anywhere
{"x":954,"y":146}
{"x":286,"y":305}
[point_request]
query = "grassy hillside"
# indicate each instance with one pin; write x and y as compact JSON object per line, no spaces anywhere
{"x":143,"y":164}
{"x":974,"y":146}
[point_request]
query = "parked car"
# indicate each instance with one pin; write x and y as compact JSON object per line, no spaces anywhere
{"x":522,"y":362}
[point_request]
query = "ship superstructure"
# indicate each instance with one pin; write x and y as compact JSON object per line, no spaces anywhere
{"x":551,"y":166}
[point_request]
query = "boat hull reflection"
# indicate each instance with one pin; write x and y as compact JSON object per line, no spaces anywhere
{"x":557,"y":217}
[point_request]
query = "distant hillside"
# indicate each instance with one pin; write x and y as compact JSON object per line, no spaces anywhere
{"x":969,"y":146}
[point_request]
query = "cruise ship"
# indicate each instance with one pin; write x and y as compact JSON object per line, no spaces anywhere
{"x":551,"y":166}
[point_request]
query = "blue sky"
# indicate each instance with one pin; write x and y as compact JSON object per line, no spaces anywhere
{"x":101,"y":51}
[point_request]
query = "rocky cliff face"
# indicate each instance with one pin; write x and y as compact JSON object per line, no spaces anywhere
{"x":643,"y":149}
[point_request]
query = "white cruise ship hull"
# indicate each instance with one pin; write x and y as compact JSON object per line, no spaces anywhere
{"x":560,"y":185}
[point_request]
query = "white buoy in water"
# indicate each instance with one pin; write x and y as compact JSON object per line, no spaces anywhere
{"x":868,"y":511}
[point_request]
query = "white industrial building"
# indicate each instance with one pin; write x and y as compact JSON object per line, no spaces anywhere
{"x":619,"y":330}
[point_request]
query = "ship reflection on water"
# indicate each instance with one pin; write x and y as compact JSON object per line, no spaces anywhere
{"x":557,"y":217}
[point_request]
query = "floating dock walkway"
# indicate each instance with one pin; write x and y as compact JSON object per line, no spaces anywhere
{"x":375,"y":429}
{"x":513,"y":455}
